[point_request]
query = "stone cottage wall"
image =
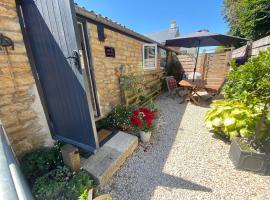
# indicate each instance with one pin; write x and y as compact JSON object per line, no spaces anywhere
{"x":21,"y":111}
{"x":128,"y":52}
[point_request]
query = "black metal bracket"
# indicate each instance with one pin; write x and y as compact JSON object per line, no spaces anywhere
{"x":6,"y":41}
{"x":76,"y":58}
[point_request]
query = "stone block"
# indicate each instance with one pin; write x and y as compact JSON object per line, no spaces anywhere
{"x":71,"y":157}
{"x":110,"y":157}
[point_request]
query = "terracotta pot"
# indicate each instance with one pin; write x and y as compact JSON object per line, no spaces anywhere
{"x":145,"y":136}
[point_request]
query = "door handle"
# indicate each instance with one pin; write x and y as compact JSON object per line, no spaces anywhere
{"x":76,"y":57}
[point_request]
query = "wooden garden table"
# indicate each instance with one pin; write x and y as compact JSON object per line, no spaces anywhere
{"x":193,"y":88}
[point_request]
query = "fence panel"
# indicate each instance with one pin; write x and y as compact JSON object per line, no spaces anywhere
{"x":152,"y":84}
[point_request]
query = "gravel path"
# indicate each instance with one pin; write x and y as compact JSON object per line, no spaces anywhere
{"x":183,"y":161}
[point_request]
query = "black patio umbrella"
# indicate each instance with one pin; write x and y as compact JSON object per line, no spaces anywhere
{"x":203,"y":38}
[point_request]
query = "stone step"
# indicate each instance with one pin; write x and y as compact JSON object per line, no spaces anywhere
{"x":110,"y":157}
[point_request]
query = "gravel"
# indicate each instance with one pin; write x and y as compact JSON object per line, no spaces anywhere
{"x":184,"y":161}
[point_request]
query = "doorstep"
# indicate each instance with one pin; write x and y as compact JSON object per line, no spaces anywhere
{"x":110,"y":157}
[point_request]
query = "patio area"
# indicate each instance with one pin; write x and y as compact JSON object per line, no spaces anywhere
{"x":184,"y":161}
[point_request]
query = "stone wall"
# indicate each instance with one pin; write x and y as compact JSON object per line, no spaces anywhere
{"x":21,"y":111}
{"x":128,"y":52}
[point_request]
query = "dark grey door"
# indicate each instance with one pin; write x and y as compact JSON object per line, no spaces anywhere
{"x":51,"y":31}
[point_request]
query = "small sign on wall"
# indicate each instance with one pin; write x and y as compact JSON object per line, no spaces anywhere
{"x":109,"y":52}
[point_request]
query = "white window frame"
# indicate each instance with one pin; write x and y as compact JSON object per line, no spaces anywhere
{"x":156,"y":56}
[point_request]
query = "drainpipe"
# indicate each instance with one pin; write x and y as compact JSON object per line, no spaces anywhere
{"x":12,"y":183}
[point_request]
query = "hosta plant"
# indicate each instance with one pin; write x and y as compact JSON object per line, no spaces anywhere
{"x":230,"y":119}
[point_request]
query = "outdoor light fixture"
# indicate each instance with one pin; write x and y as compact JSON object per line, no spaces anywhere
{"x":6,"y":41}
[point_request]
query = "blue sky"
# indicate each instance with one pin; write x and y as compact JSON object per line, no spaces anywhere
{"x":146,"y":16}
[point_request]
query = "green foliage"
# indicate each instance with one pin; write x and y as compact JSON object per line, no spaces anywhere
{"x":41,"y":161}
{"x":120,"y":117}
{"x":250,"y":82}
{"x":234,"y":119}
{"x":61,"y":183}
{"x":84,"y":195}
{"x":174,"y":67}
{"x":78,"y":185}
{"x":152,"y":106}
{"x":51,"y":185}
{"x":132,"y":83}
{"x":248,"y":18}
{"x":102,"y":123}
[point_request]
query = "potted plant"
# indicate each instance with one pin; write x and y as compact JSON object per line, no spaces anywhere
{"x":142,"y":122}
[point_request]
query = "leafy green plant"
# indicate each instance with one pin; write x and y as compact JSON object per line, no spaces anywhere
{"x":52,"y":184}
{"x":78,"y":185}
{"x":234,"y":119}
{"x":102,"y":123}
{"x":120,"y":117}
{"x":84,"y":195}
{"x":248,"y":18}
{"x":174,"y":67}
{"x":250,"y":82}
{"x":39,"y":162}
{"x":132,"y":83}
{"x":61,"y":183}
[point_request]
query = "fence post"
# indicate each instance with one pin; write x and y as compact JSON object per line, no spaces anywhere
{"x":202,"y":65}
{"x":227,"y":60}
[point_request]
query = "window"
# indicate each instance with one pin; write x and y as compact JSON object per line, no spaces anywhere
{"x":150,"y":56}
{"x":163,"y":58}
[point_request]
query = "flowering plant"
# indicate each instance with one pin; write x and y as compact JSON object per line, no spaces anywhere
{"x":142,"y":119}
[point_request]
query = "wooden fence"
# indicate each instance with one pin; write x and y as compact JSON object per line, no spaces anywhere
{"x":215,"y":68}
{"x":152,"y":87}
{"x":212,"y":66}
{"x":253,"y":48}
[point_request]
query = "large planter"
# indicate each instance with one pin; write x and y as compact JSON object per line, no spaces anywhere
{"x":249,"y":160}
{"x":145,"y":136}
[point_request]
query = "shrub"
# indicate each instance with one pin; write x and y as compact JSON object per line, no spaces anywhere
{"x":102,"y":123}
{"x":233,"y":118}
{"x":120,"y":117}
{"x":250,"y":82}
{"x":41,"y":161}
{"x":78,"y":185}
{"x":62,"y":184}
{"x":52,"y":184}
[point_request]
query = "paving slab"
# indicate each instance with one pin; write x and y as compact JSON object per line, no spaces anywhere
{"x":110,"y":157}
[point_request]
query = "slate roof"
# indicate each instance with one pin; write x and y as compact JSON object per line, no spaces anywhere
{"x":164,"y":35}
{"x":108,"y":22}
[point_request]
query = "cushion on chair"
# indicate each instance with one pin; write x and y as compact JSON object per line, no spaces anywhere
{"x":172,"y":84}
{"x":211,"y":90}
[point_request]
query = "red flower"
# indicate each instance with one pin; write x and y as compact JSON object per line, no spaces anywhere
{"x":135,"y":112}
{"x":142,"y":117}
{"x":135,"y":121}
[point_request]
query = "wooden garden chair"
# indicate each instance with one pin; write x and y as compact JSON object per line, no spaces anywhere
{"x":214,"y":92}
{"x":172,"y":86}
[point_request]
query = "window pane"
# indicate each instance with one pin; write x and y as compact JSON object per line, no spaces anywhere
{"x":149,"y":56}
{"x":163,"y":58}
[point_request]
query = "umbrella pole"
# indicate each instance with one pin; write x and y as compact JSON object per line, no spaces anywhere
{"x":196,"y":63}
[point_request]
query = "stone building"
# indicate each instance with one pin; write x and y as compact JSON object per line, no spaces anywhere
{"x":106,"y":46}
